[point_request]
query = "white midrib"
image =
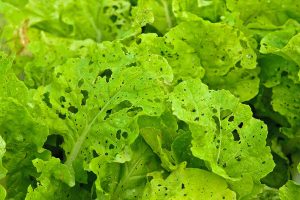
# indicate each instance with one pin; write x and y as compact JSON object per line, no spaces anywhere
{"x":76,"y":148}
{"x":220,"y":131}
{"x":117,"y":190}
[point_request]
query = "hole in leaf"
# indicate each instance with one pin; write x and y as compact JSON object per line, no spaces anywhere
{"x":46,"y":99}
{"x":62,"y":99}
{"x":95,"y":154}
{"x":80,"y":82}
{"x":236,"y":136}
{"x":73,"y":109}
{"x":113,"y":18}
{"x":125,"y":135}
{"x":238,"y":64}
{"x":134,"y":111}
{"x":231,"y":118}
{"x":53,"y":143}
{"x":108,"y":113}
{"x":241,"y":125}
{"x":216,"y":119}
{"x":60,"y":115}
{"x":238,"y":158}
{"x":33,"y":182}
{"x":182,"y":186}
{"x":284,"y":74}
{"x":85,"y":95}
{"x":118,"y":135}
{"x":106,"y":73}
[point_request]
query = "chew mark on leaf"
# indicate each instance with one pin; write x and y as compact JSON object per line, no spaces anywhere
{"x":83,"y":135}
{"x":187,"y":183}
{"x":225,"y":134}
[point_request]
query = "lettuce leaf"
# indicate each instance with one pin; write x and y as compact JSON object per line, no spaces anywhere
{"x":224,"y":133}
{"x":125,"y":180}
{"x":188,"y":183}
{"x":161,"y":99}
{"x":289,"y":191}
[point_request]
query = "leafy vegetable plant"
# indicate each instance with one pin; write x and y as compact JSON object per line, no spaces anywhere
{"x":150,"y":100}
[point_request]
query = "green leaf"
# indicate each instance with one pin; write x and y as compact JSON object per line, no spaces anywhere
{"x":162,"y":13}
{"x":19,"y":131}
{"x":181,"y":149}
{"x":269,"y":193}
{"x":12,"y":21}
{"x":127,"y":180}
{"x":217,"y":54}
{"x":17,"y":3}
{"x":2,"y":192}
{"x":284,"y":43}
{"x":290,"y":190}
{"x":224,"y":132}
{"x":97,"y":20}
{"x":185,"y":64}
{"x":285,"y":101}
{"x":275,"y":41}
{"x":3,"y":171}
{"x":159,"y":133}
{"x":270,"y":12}
{"x":280,"y":174}
{"x":274,"y":68}
{"x":11,"y":86}
{"x":95,"y":105}
{"x":188,"y":183}
{"x":225,"y":61}
{"x":46,"y":53}
{"x":55,"y":182}
{"x":243,"y":83}
{"x":186,"y":10}
{"x":292,"y":50}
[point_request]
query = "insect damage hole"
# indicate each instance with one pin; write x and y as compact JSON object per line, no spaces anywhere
{"x":236,"y":136}
{"x":85,"y":95}
{"x":107,"y":74}
{"x":53,"y":144}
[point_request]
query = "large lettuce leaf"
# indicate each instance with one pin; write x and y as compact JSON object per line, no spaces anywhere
{"x":224,"y":134}
{"x":188,"y":183}
{"x":161,"y":99}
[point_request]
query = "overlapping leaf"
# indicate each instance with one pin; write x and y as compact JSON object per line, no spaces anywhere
{"x":290,"y":190}
{"x":188,"y":183}
{"x":285,"y":100}
{"x":127,"y":180}
{"x":95,"y":105}
{"x":56,"y":181}
{"x":223,"y":60}
{"x":19,"y":130}
{"x":146,"y":116}
{"x":224,"y":132}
